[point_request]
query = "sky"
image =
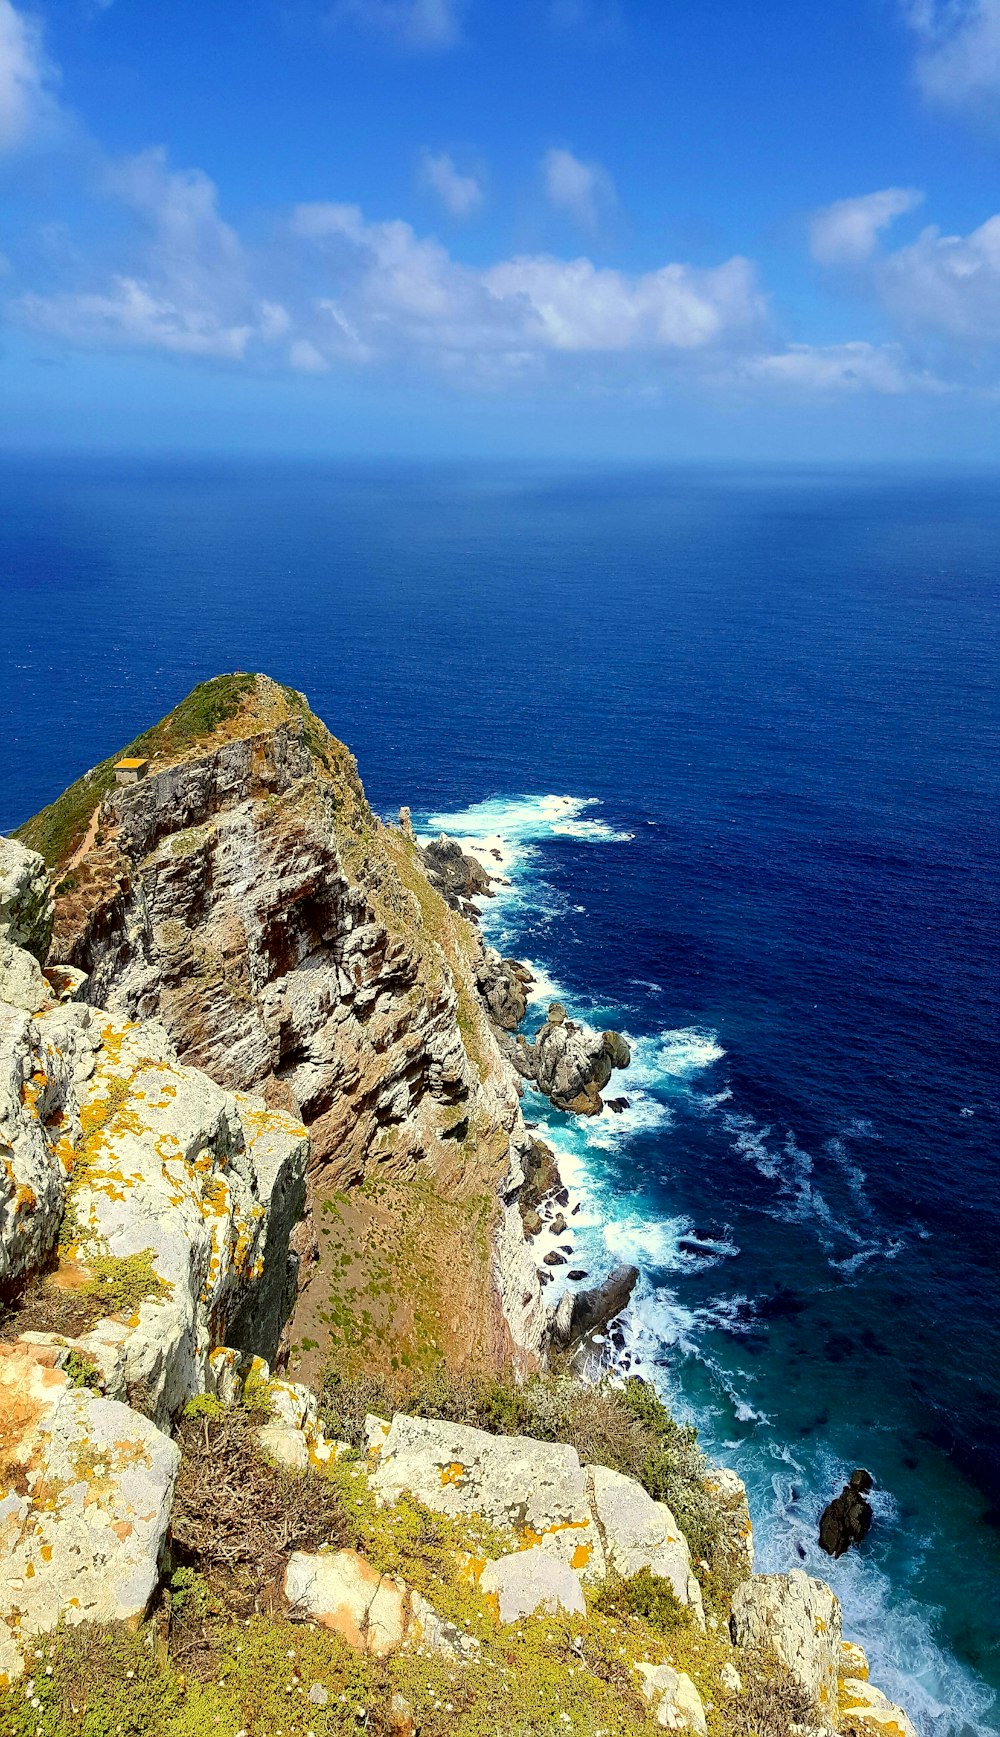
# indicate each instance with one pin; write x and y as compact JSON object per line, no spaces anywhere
{"x":636,"y":229}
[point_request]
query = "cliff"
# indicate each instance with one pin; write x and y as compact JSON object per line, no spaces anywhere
{"x":432,"y":1540}
{"x":244,"y":895}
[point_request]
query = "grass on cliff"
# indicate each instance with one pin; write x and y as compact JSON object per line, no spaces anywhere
{"x":626,"y":1428}
{"x":57,"y":830}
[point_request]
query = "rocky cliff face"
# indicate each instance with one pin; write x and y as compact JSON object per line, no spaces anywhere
{"x":243,"y":894}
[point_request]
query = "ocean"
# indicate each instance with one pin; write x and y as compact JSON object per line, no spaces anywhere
{"x":735,"y":734}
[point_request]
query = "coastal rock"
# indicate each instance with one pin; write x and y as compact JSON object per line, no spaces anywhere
{"x":569,"y":1063}
{"x":729,"y":1496}
{"x":87,"y":1491}
{"x":866,"y":1712}
{"x":675,"y":1702}
{"x":26,"y":908}
{"x":848,"y":1518}
{"x":638,"y":1533}
{"x":244,"y":895}
{"x":583,"y":1313}
{"x":528,"y":1582}
{"x":536,"y":1489}
{"x":503,"y":985}
{"x":799,"y":1619}
{"x":458,"y":877}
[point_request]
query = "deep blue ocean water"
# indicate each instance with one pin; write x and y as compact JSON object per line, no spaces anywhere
{"x":768,"y":702}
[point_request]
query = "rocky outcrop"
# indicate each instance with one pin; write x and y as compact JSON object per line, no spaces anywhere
{"x":848,"y":1518}
{"x":85,"y":1489}
{"x":503,"y":985}
{"x":532,"y":1583}
{"x":581,"y":1314}
{"x":569,"y":1063}
{"x":458,"y":877}
{"x":639,"y":1533}
{"x":244,"y":895}
{"x":25,"y":901}
{"x":798,"y":1619}
{"x":674,"y":1701}
{"x":374,"y":1613}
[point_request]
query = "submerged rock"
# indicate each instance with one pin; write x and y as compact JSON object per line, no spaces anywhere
{"x":848,"y":1518}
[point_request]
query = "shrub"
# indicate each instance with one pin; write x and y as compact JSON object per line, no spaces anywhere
{"x":646,"y":1595}
{"x":771,"y":1703}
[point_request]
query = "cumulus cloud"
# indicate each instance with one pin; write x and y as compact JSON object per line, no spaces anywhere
{"x":186,"y":288}
{"x":839,"y":369}
{"x":958,"y":61}
{"x":947,"y":286}
{"x":460,"y":194}
{"x":27,"y":105}
{"x":411,"y":23}
{"x":584,"y":190}
{"x":847,"y":232}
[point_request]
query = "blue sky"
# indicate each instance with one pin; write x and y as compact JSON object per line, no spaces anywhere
{"x":636,"y":228}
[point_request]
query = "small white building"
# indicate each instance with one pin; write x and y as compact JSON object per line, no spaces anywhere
{"x":130,"y":771}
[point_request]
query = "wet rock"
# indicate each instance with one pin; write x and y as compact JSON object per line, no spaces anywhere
{"x":583,"y":1313}
{"x":569,"y":1064}
{"x":558,"y":1225}
{"x":554,"y":1258}
{"x":577,"y":1273}
{"x":848,"y":1518}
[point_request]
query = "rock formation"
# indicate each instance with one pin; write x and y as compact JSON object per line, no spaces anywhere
{"x":580,"y":1314}
{"x":847,"y":1519}
{"x":503,"y":985}
{"x":458,"y":877}
{"x":570,"y":1064}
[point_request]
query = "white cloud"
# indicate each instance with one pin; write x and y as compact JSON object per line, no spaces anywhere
{"x":947,"y":286}
{"x":847,"y":232}
{"x":460,"y":194}
{"x":958,"y":62}
{"x":27,"y":106}
{"x":583,"y":190}
{"x":411,"y":23}
{"x":838,"y":368}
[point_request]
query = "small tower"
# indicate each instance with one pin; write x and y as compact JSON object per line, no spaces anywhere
{"x":130,"y":771}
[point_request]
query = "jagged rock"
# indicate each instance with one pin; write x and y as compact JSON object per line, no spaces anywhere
{"x":458,"y":878}
{"x":582,"y":1313}
{"x":640,"y":1533}
{"x":88,"y":1485}
{"x":569,"y":1063}
{"x":503,"y":985}
{"x":799,"y":1619}
{"x":866,"y":1711}
{"x":675,"y":1702}
{"x":538,"y":1489}
{"x":406,"y":823}
{"x":848,"y":1518}
{"x":554,"y":1259}
{"x":558,"y":1225}
{"x":26,"y":908}
{"x":531,"y":1581}
{"x":374,"y":1613}
{"x":729,"y":1496}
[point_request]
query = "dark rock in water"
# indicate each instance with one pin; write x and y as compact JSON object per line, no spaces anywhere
{"x":576,"y":1207}
{"x":558,"y":1225}
{"x":617,"y":1104}
{"x":561,"y":1197}
{"x":582,"y":1313}
{"x":847,"y":1519}
{"x":459,"y":878}
{"x":554,"y":1259}
{"x":577,"y":1273}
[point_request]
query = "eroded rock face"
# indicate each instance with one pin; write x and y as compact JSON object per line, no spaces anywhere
{"x":26,"y":909}
{"x":568,"y":1063}
{"x":583,"y":1313}
{"x":729,"y":1495}
{"x":459,"y":878}
{"x":84,"y":1503}
{"x":639,"y":1533}
{"x":532,"y":1582}
{"x":374,"y":1613}
{"x":537,"y":1489}
{"x":503,"y":985}
{"x":799,"y":1619}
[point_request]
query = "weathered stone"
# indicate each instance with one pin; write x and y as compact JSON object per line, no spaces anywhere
{"x":675,"y":1702}
{"x":88,"y":1486}
{"x":503,"y":985}
{"x":865,"y":1710}
{"x":531,"y":1581}
{"x":730,"y":1679}
{"x":729,"y":1497}
{"x":799,"y":1619}
{"x":25,"y":899}
{"x":459,"y":878}
{"x":285,"y":1445}
{"x":640,"y":1533}
{"x":853,"y":1661}
{"x":374,"y":1613}
{"x":537,"y":1489}
{"x":583,"y":1313}
{"x":569,"y":1063}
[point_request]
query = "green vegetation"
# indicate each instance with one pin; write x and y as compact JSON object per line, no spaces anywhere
{"x":80,"y":1370}
{"x":646,"y":1595}
{"x":59,"y":829}
{"x":121,"y":1282}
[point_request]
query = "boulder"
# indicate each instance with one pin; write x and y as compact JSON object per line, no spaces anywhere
{"x":536,"y":1489}
{"x":570,"y":1063}
{"x":582,"y":1313}
{"x":675,"y":1702}
{"x":284,"y":1445}
{"x":26,"y":907}
{"x":640,"y":1533}
{"x":531,"y":1581}
{"x":848,"y":1518}
{"x":799,"y":1619}
{"x":503,"y":985}
{"x":374,"y":1613}
{"x":866,"y":1711}
{"x":457,"y":877}
{"x":87,"y":1490}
